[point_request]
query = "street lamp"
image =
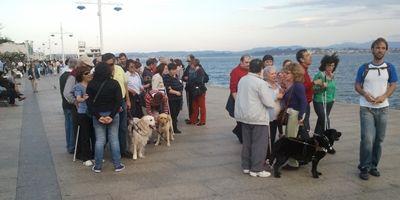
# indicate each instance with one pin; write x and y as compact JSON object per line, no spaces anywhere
{"x":62,"y":41}
{"x":99,"y":4}
{"x":49,"y":47}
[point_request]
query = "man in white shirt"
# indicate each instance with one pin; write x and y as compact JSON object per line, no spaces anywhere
{"x":375,"y":82}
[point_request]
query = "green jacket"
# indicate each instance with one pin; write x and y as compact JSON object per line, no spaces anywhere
{"x":330,"y":89}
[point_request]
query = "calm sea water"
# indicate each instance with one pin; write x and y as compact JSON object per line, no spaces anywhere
{"x":219,"y":68}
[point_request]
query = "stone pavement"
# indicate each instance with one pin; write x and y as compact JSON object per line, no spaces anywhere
{"x":202,"y":163}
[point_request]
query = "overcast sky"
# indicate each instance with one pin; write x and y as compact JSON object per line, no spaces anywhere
{"x":166,"y":25}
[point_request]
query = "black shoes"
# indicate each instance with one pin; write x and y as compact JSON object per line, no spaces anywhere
{"x":374,"y":172}
{"x":364,"y":175}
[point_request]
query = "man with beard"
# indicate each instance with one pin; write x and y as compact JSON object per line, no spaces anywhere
{"x":375,"y":82}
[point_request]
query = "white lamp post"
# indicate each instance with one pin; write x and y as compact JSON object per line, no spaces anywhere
{"x":62,"y":41}
{"x":49,"y":47}
{"x":99,"y":4}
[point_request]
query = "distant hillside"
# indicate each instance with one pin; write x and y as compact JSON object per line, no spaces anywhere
{"x":260,"y":51}
{"x":366,"y":45}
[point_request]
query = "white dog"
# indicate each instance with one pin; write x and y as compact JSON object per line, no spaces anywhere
{"x":140,"y":131}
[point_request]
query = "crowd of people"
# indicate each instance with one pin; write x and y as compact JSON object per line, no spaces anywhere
{"x":9,"y":90}
{"x":263,"y":101}
{"x":100,"y":95}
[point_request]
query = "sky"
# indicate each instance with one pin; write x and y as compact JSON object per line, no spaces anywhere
{"x":188,"y":25}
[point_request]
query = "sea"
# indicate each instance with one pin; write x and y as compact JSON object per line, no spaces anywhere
{"x":219,"y":67}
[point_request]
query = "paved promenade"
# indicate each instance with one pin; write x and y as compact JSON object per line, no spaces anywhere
{"x":202,"y":163}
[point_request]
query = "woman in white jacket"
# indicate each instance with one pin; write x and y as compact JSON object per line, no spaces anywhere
{"x":253,"y":100}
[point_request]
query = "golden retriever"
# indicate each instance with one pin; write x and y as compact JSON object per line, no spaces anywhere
{"x":140,"y":131}
{"x":164,"y":129}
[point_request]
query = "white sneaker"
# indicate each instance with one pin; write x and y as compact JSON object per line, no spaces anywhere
{"x":262,"y":174}
{"x":88,"y":163}
{"x":246,"y":171}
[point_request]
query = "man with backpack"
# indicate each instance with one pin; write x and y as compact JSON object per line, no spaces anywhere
{"x":375,"y":82}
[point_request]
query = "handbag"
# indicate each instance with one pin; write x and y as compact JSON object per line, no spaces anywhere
{"x":197,"y":90}
{"x":283,"y":116}
{"x":230,"y":106}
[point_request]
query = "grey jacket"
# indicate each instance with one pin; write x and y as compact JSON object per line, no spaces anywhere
{"x":253,"y":101}
{"x":68,"y":89}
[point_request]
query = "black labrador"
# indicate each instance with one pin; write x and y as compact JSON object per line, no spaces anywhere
{"x":313,"y":149}
{"x":332,"y":135}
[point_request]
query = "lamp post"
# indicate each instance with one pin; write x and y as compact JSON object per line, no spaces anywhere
{"x":49,"y":47}
{"x":99,"y":14}
{"x":62,"y":41}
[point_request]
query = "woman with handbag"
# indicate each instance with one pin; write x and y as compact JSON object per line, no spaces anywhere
{"x":294,"y":103}
{"x":104,"y":104}
{"x":196,"y":82}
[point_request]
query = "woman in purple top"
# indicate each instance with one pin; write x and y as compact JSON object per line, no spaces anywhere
{"x":296,"y":102}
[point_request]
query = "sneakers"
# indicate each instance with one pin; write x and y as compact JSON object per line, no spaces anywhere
{"x":364,"y":175}
{"x":246,"y":171}
{"x":262,"y":174}
{"x":88,"y":163}
{"x":120,"y":168}
{"x":96,"y":169}
{"x":374,"y":172}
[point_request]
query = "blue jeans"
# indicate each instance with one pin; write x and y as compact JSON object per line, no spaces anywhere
{"x":123,"y":127}
{"x":101,"y":133}
{"x":373,"y":129}
{"x":69,"y":130}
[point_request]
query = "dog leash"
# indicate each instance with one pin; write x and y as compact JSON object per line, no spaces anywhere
{"x":162,"y":137}
{"x":138,"y":129}
{"x":305,"y":143}
{"x":302,"y":142}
